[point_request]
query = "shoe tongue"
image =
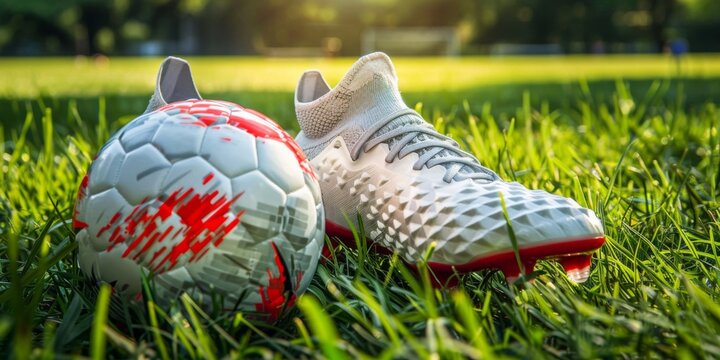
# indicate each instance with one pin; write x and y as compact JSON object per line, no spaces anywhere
{"x":374,"y":87}
{"x":365,"y":95}
{"x":373,"y":67}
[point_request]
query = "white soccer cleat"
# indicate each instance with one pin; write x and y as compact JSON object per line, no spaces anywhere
{"x":413,"y":186}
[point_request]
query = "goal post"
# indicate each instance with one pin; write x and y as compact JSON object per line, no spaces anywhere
{"x":412,"y":41}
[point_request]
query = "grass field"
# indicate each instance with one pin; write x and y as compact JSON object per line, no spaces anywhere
{"x":82,"y":76}
{"x":625,"y":136}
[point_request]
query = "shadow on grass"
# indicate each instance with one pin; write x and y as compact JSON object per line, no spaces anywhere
{"x":72,"y":113}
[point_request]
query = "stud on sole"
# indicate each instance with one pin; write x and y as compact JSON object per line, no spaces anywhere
{"x":577,"y":267}
{"x":513,"y":272}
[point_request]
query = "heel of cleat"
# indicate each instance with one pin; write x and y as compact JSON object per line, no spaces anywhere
{"x":577,"y":267}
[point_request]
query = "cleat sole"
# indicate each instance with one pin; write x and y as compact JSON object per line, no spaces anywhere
{"x":574,"y":255}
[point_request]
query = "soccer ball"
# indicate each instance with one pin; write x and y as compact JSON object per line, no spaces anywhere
{"x":208,"y":198}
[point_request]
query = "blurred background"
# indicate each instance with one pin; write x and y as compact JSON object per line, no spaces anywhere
{"x":95,"y":59}
{"x":352,"y":27}
{"x":615,"y":103}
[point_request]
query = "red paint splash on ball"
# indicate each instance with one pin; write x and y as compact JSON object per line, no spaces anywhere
{"x":82,"y":193}
{"x":279,"y":293}
{"x":205,"y":220}
{"x":207,"y":178}
{"x":210,"y":112}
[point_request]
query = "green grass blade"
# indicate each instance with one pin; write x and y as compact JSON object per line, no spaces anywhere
{"x":98,"y":340}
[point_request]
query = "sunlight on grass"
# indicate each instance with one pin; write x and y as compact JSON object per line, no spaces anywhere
{"x":648,"y":165}
{"x":82,"y":76}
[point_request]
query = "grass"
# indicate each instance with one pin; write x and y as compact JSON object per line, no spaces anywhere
{"x":58,"y":77}
{"x":126,"y":83}
{"x":641,"y":155}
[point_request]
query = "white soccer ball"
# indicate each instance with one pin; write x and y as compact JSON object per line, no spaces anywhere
{"x":210,"y":199}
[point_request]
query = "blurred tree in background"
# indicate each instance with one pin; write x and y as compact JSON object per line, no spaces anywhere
{"x":39,"y":27}
{"x":580,"y":25}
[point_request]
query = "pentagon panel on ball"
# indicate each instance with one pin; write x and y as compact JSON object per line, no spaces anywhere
{"x":208,"y":198}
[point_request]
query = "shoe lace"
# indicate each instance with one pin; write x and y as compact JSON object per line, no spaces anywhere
{"x":433,"y":143}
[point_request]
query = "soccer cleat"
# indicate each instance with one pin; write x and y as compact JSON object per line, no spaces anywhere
{"x":413,"y":186}
{"x":174,"y":83}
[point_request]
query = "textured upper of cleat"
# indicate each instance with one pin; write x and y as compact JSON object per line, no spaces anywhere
{"x":405,"y":209}
{"x":411,"y":185}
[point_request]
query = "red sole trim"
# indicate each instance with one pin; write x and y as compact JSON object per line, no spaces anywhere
{"x":572,"y":254}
